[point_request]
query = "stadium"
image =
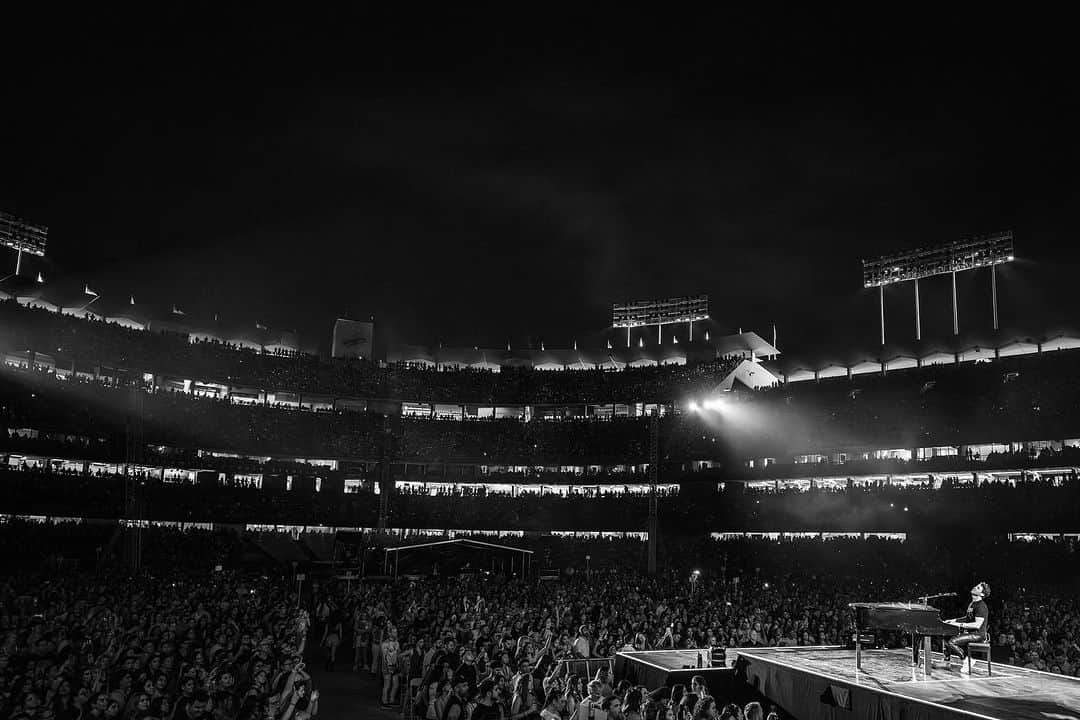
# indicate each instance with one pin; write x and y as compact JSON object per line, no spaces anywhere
{"x":665,"y":516}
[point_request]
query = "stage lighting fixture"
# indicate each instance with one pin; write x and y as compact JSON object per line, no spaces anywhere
{"x":714,"y":404}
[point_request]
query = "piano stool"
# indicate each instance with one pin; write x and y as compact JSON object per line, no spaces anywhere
{"x":981,"y":647}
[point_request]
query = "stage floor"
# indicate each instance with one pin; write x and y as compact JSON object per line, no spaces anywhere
{"x":671,"y":659}
{"x":1011,"y":693}
{"x":657,"y":668}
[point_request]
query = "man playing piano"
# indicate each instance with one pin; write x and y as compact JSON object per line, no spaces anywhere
{"x":974,"y":626}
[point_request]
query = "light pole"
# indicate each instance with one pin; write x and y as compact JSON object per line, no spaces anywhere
{"x":95,"y":297}
{"x":587,"y":559}
{"x":694,"y":577}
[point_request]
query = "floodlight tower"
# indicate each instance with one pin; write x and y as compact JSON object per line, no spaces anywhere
{"x":951,"y":258}
{"x":641,"y":313}
{"x":22,"y":236}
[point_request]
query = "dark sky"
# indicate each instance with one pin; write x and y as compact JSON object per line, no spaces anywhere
{"x":469,"y":178}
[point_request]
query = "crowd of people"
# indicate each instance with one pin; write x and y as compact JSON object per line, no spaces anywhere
{"x":158,"y":644}
{"x":1010,"y":399}
{"x":485,"y":641}
{"x":194,"y":633}
{"x":318,"y":496}
{"x":205,"y":630}
{"x":90,"y":414}
{"x":93,"y":343}
{"x":307,"y":495}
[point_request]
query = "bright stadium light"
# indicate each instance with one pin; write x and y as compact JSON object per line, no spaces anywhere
{"x":22,"y":237}
{"x":968,"y":254}
{"x":714,"y":404}
{"x":644,"y":313}
{"x":693,"y":407}
{"x":947,"y":259}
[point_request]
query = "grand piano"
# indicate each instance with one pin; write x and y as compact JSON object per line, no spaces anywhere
{"x":910,"y":618}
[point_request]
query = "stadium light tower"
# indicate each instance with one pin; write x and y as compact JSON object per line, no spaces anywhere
{"x":950,"y":258}
{"x":640,"y":313}
{"x":22,"y":236}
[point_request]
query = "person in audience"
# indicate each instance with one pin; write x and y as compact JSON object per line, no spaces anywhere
{"x":632,"y":704}
{"x":706,"y":709}
{"x":591,"y":706}
{"x":612,"y":706}
{"x":390,"y":671}
{"x":436,"y":709}
{"x":331,"y":638}
{"x":456,"y":705}
{"x":486,"y":707}
{"x":554,"y":706}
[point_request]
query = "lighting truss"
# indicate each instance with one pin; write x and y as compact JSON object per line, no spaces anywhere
{"x":968,"y":254}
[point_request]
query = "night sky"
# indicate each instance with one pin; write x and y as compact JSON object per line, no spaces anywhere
{"x":469,"y":178}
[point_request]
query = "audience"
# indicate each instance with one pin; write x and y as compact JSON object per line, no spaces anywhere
{"x":77,"y":343}
{"x":156,"y":644}
{"x":210,"y":626}
{"x":183,"y":635}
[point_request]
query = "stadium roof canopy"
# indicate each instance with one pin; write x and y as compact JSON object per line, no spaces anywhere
{"x":748,"y":345}
{"x":79,"y":299}
{"x":978,"y":347}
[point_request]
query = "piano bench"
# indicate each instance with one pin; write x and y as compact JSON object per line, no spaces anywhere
{"x":982,"y":648}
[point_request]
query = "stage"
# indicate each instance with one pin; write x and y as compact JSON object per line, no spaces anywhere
{"x":657,"y":668}
{"x":822,"y":683}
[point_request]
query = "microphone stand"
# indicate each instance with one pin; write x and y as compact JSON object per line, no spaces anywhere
{"x":925,"y":600}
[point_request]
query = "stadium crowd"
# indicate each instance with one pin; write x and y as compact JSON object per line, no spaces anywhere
{"x":94,"y":416}
{"x":157,"y":644}
{"x":477,"y":641}
{"x":319,"y":497}
{"x":206,"y":639}
{"x":206,"y":630}
{"x":81,"y":343}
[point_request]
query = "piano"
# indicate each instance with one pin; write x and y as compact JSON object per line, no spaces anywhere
{"x":911,"y":618}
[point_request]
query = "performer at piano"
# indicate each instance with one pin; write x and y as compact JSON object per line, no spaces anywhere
{"x":975,"y":624}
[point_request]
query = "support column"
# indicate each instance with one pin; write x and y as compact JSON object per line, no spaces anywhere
{"x":918,"y":317}
{"x":628,"y":336}
{"x":660,"y":334}
{"x":881,"y":300}
{"x":955,"y":324}
{"x":691,"y":331}
{"x":993,"y":292}
{"x":654,"y":478}
{"x":18,"y":262}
